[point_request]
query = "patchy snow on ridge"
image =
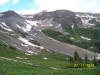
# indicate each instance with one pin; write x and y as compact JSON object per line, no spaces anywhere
{"x":5,"y":27}
{"x":85,"y":38}
{"x":4,"y":24}
{"x":31,"y":52}
{"x":28,"y":27}
{"x":33,"y":23}
{"x":24,"y":45}
{"x":85,"y":18}
{"x":58,"y":26}
{"x":30,"y":24}
{"x":27,"y":42}
{"x":41,"y":47}
{"x":18,"y":26}
{"x":73,"y":26}
{"x":85,"y":15}
{"x":97,"y":20}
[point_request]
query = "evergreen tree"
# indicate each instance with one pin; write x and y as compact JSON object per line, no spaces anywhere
{"x":71,"y":60}
{"x":95,"y":61}
{"x":76,"y":56}
{"x":86,"y":59}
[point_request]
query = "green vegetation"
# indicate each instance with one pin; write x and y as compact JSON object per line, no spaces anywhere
{"x":86,"y":59}
{"x":23,"y":34}
{"x":77,"y":62}
{"x":9,"y":51}
{"x":95,"y":61}
{"x":93,"y":21}
{"x":12,"y":35}
{"x":56,"y":64}
{"x":56,"y":35}
{"x":76,"y":56}
{"x":93,"y":33}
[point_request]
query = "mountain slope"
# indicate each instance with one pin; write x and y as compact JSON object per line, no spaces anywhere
{"x":19,"y":31}
{"x":14,"y":62}
{"x":81,"y":27}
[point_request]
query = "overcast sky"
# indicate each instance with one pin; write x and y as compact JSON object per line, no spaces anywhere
{"x":33,"y":6}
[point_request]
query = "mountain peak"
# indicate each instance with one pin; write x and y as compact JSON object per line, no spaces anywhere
{"x":63,"y":17}
{"x":8,"y":14}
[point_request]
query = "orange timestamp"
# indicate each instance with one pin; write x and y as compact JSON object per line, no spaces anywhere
{"x":83,"y":65}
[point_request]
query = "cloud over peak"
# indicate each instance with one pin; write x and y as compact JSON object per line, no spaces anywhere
{"x":2,"y":2}
{"x":73,"y":5}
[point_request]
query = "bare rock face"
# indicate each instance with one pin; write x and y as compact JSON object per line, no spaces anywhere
{"x":12,"y":19}
{"x":9,"y":14}
{"x":63,"y":17}
{"x":67,"y":18}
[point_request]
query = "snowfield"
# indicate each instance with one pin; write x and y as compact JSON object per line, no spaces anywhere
{"x":85,"y":38}
{"x":5,"y":27}
{"x":27,"y":42}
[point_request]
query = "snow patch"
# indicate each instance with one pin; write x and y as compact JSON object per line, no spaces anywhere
{"x":33,"y":23}
{"x":98,"y":56}
{"x":27,"y":42}
{"x":91,"y":47}
{"x":27,"y":54}
{"x":72,"y":38}
{"x":45,"y":58}
{"x":4,"y":24}
{"x":85,"y":15}
{"x":58,"y":26}
{"x":18,"y":26}
{"x":97,"y":20}
{"x":41,"y":47}
{"x":24,"y":45}
{"x":5,"y":27}
{"x":53,"y":68}
{"x":5,"y":43}
{"x":85,"y":38}
{"x":19,"y":58}
{"x":85,"y":18}
{"x":31,"y":52}
{"x":73,"y":26}
{"x":28,"y":27}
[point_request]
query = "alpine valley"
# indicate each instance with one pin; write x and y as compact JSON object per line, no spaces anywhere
{"x":41,"y":43}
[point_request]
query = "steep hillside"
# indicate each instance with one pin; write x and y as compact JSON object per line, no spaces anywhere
{"x":16,"y":62}
{"x":46,"y":43}
{"x":19,"y":32}
{"x":83,"y":28}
